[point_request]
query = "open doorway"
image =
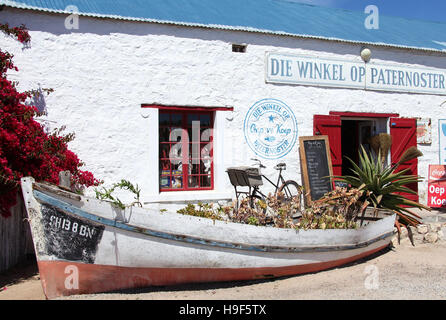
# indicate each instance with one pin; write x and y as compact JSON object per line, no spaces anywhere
{"x":347,"y":130}
{"x":357,"y":132}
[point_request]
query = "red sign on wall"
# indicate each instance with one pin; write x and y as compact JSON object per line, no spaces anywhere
{"x":436,"y":195}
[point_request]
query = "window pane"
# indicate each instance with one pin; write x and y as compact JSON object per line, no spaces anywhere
{"x":177,"y":166}
{"x":177,"y":119}
{"x":164,"y":119}
{"x":192,"y":138}
{"x":205,"y":120}
{"x":175,"y":152}
{"x":206,"y":134}
{"x":164,"y":134}
{"x":165,"y":182}
{"x":205,"y":150}
{"x":192,"y":117}
{"x":177,"y":182}
{"x":177,"y":169}
{"x":193,"y":182}
{"x":176,"y":135}
{"x":194,"y":153}
{"x":164,"y":150}
{"x":189,"y":134}
{"x":205,"y":167}
{"x":194,"y":168}
{"x":205,"y":181}
{"x":165,"y":167}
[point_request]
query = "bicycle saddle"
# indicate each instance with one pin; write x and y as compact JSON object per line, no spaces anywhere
{"x":280,"y":166}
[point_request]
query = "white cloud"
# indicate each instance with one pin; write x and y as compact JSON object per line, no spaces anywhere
{"x":440,"y":43}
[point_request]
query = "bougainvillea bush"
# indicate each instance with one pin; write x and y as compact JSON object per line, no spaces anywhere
{"x":26,"y":149}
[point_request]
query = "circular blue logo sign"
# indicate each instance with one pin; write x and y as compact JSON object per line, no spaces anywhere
{"x":270,"y":128}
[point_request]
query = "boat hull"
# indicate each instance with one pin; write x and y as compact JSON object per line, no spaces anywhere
{"x":86,"y":246}
{"x":62,"y":278}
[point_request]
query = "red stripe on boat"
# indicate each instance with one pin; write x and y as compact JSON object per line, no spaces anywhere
{"x":64,"y":278}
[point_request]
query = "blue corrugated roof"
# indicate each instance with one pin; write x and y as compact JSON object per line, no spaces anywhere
{"x":269,"y":16}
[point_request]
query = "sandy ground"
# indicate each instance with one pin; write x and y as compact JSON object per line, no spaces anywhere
{"x":403,"y":272}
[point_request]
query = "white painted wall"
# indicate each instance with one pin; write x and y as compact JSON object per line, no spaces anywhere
{"x":104,"y":71}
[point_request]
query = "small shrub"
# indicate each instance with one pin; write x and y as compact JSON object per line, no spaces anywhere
{"x":338,"y":209}
{"x":271,"y":211}
{"x":204,"y":210}
{"x":106,"y":194}
{"x":284,"y":210}
{"x":254,"y":215}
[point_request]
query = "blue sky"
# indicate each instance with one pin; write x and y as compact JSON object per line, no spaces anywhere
{"x":433,"y":10}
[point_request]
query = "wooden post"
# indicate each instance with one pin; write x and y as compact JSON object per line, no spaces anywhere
{"x":65,"y":180}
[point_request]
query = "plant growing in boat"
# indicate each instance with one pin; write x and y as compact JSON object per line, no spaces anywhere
{"x":383,"y":185}
{"x":106,"y":194}
{"x":203,"y":210}
{"x":284,"y":209}
{"x":250,"y":212}
{"x":273,"y":211}
{"x":338,"y":209}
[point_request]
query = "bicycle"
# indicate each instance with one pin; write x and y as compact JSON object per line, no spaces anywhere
{"x":253,"y":178}
{"x":289,"y":188}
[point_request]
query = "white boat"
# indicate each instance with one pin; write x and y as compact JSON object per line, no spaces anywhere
{"x":84,"y":245}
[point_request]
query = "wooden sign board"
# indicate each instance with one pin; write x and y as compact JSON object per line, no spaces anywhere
{"x":316,"y":167}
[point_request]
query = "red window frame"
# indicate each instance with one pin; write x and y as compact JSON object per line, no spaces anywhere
{"x":186,"y":172}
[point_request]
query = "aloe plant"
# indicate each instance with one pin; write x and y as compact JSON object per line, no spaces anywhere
{"x":382,"y":185}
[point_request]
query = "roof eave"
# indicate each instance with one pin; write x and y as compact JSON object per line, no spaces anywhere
{"x":219,"y":27}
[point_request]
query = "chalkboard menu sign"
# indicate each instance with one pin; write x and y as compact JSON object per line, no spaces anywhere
{"x":316,"y":167}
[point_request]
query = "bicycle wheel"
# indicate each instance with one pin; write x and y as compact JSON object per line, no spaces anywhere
{"x":291,"y":189}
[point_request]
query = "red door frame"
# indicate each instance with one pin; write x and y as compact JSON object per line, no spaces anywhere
{"x":330,"y":126}
{"x":321,"y":124}
{"x":404,"y":134}
{"x":363,"y":114}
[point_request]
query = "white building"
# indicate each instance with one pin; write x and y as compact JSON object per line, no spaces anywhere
{"x":125,"y":77}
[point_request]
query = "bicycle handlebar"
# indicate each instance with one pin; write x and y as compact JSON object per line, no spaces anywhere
{"x":260,"y":163}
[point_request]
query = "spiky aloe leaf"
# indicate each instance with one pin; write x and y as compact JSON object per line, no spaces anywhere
{"x":383,"y":186}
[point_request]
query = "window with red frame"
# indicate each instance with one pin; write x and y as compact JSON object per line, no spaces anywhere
{"x":186,"y":150}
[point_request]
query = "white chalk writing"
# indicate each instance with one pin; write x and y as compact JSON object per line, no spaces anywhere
{"x":67,"y":225}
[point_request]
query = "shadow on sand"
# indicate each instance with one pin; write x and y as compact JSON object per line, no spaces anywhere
{"x":20,"y":272}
